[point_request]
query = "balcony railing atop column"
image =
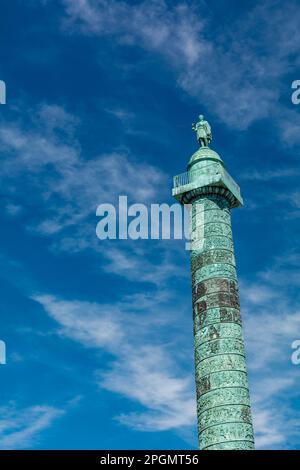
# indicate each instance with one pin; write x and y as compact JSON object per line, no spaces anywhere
{"x":191,"y":176}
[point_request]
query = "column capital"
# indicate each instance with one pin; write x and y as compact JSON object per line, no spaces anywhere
{"x":206,"y":173}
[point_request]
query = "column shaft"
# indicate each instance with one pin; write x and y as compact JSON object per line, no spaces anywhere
{"x":223,"y":404}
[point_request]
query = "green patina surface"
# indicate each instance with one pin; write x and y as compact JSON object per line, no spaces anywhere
{"x":223,"y":403}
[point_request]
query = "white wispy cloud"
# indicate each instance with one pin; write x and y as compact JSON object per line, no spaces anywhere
{"x":276,"y":421}
{"x":50,"y":143}
{"x":95,"y":328}
{"x":136,"y":263}
{"x":146,"y":371}
{"x":144,"y":368}
{"x":22,"y":427}
{"x":238,"y":74}
{"x":65,"y":199}
{"x":272,"y":428}
{"x":293,"y":197}
{"x":151,"y":372}
{"x":268,"y":175}
{"x":148,"y":377}
{"x":272,"y":345}
{"x":272,"y":302}
{"x":71,"y":194}
{"x":272,"y":322}
{"x":241,"y":86}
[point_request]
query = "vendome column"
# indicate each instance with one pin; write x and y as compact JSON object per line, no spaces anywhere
{"x":223,"y":404}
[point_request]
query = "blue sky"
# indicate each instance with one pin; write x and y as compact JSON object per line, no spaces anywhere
{"x":100,"y":100}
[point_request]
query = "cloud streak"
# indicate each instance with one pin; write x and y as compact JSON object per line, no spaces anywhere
{"x":46,"y":156}
{"x":272,"y":322}
{"x":144,"y":368}
{"x":234,"y":72}
{"x":21,"y":427}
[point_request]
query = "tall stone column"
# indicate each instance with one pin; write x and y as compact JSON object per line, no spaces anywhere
{"x":223,"y":404}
